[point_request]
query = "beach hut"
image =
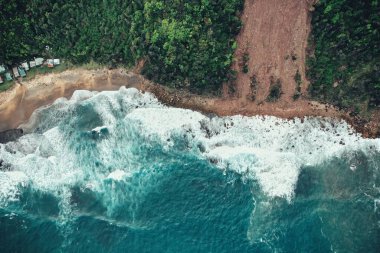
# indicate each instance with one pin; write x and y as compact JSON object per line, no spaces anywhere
{"x":56,"y":62}
{"x":39,"y":61}
{"x":25,"y":66}
{"x":15,"y":72}
{"x":21,"y":71}
{"x":32,"y":64}
{"x":8,"y":76}
{"x":2,"y":68}
{"x":50,"y":63}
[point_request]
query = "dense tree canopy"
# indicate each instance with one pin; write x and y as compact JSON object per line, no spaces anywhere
{"x":190,"y":43}
{"x":16,"y":37}
{"x":345,"y":68}
{"x":183,"y":43}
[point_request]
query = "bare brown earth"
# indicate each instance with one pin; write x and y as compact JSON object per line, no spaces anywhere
{"x":274,"y":35}
{"x":17,"y":105}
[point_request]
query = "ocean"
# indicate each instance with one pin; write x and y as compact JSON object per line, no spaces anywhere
{"x":117,"y":171}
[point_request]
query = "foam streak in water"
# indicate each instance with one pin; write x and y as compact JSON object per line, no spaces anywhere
{"x":91,"y":138}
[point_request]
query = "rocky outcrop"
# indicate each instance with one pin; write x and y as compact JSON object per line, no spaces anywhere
{"x":10,"y":135}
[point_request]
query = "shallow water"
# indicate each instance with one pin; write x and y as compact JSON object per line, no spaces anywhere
{"x":120,"y":172}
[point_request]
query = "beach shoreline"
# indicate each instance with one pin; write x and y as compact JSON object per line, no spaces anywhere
{"x":18,"y":103}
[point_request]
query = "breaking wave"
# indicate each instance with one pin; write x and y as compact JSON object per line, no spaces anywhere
{"x":103,"y":154}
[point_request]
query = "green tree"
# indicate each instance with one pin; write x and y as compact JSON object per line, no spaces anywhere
{"x":17,"y":40}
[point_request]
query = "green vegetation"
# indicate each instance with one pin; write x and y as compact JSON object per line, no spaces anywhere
{"x":275,"y":91}
{"x":16,"y":42}
{"x":254,"y":84}
{"x":183,"y":43}
{"x":6,"y":85}
{"x":345,"y":67}
{"x":298,"y":80}
{"x":245,"y":63}
{"x":45,"y":70}
{"x":33,"y":72}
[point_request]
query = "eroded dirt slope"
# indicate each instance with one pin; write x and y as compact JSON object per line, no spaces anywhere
{"x":274,"y":38}
{"x":18,"y":104}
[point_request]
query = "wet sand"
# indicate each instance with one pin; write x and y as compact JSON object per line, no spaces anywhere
{"x":18,"y":104}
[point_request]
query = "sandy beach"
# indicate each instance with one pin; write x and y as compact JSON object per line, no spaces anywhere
{"x":18,"y":103}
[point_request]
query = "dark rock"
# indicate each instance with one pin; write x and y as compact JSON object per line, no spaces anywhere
{"x":205,"y":128}
{"x":10,"y":135}
{"x":201,"y":148}
{"x":5,"y":166}
{"x":211,"y":115}
{"x":213,"y":160}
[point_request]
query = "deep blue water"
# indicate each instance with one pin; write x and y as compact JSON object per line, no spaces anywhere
{"x":119,"y":172}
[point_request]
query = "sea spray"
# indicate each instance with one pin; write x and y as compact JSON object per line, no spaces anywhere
{"x":125,"y":159}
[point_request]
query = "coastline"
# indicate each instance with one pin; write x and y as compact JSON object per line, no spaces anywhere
{"x":18,"y":103}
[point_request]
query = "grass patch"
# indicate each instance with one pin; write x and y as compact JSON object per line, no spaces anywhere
{"x":33,"y":72}
{"x":92,"y":65}
{"x":41,"y":70}
{"x":6,"y":85}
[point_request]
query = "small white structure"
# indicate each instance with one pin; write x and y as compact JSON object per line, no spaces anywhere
{"x":32,"y":64}
{"x":2,"y":68}
{"x":50,"y":63}
{"x":8,"y":76}
{"x":21,"y":71}
{"x":15,"y":72}
{"x":39,"y":61}
{"x":1,"y":80}
{"x":25,"y":65}
{"x":56,"y":62}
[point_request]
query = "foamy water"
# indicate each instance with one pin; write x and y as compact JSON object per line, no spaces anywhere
{"x":112,"y":148}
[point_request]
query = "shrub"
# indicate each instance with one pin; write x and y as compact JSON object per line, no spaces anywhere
{"x":298,"y":80}
{"x":275,"y":91}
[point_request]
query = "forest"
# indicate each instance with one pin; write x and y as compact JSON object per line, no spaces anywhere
{"x":191,"y":43}
{"x":344,"y":62}
{"x":181,"y":43}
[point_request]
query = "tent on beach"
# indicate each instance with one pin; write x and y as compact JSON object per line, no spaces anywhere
{"x":39,"y":61}
{"x":15,"y":72}
{"x":50,"y":63}
{"x":25,"y":66}
{"x":8,"y":76}
{"x":21,"y":71}
{"x":32,"y":64}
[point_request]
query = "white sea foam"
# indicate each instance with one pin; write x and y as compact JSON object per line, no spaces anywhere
{"x":118,"y":175}
{"x":268,"y":150}
{"x":376,"y":204}
{"x":276,"y":172}
{"x":163,"y":122}
{"x":10,"y":184}
{"x":99,"y":129}
{"x":80,"y":95}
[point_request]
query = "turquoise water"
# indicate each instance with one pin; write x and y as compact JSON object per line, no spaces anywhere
{"x":120,"y":172}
